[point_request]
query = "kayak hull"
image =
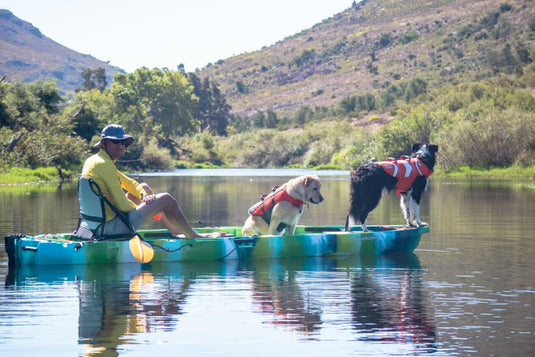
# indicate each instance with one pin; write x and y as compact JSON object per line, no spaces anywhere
{"x":308,"y":241}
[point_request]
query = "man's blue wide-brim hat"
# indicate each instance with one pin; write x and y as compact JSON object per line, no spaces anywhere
{"x":115,"y":132}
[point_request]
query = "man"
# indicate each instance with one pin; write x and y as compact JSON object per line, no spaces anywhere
{"x":140,"y":202}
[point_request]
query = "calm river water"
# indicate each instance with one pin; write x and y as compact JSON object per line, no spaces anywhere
{"x":468,"y":289}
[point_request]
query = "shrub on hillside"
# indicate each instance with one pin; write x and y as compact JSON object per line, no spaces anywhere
{"x":498,"y":139}
{"x":156,"y":158}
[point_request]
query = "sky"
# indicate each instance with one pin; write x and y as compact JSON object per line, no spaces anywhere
{"x":131,"y":34}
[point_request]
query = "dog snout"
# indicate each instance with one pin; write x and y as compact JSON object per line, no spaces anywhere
{"x":317,"y":200}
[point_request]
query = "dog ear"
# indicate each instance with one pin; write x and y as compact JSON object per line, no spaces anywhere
{"x":433,"y":148}
{"x":308,"y":180}
{"x":415,"y":147}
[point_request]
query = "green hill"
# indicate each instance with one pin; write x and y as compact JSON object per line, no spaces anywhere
{"x":364,"y":49}
{"x":26,"y":55}
{"x":376,"y":44}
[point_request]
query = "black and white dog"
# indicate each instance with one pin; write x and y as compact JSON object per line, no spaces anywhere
{"x":408,"y":175}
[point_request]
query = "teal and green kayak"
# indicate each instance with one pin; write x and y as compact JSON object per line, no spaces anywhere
{"x":308,"y":241}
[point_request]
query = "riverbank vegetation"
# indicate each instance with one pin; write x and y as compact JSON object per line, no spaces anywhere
{"x":366,"y":83}
{"x":180,"y":120}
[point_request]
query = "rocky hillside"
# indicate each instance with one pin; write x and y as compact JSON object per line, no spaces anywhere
{"x":377,"y":43}
{"x":26,"y":55}
{"x":367,"y":48}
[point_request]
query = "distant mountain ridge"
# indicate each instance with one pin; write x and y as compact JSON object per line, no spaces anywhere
{"x":371,"y":46}
{"x":375,"y":44}
{"x":26,"y":55}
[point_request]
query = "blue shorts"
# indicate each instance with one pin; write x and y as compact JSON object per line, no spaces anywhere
{"x":136,"y":218}
{"x":117,"y":226}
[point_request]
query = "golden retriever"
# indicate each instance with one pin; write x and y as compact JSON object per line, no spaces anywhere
{"x":283,"y":207}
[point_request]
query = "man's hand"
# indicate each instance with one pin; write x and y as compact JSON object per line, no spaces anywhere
{"x":148,"y":199}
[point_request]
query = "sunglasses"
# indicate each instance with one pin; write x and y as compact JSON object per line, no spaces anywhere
{"x":118,"y":141}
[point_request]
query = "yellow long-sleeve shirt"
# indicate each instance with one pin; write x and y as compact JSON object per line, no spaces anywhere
{"x":101,"y":168}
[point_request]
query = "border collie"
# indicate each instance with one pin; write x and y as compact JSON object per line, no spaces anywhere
{"x":408,"y":175}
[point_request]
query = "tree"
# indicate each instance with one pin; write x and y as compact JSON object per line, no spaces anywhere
{"x":155,"y":102}
{"x":414,"y":88}
{"x":90,"y":111}
{"x":258,"y":119}
{"x":48,"y":95}
{"x":212,"y":110}
{"x":348,"y":105}
{"x":28,"y":105}
{"x":271,"y":120}
{"x":220,"y":114}
{"x":94,"y":79}
{"x":5,"y":117}
{"x":87,"y":76}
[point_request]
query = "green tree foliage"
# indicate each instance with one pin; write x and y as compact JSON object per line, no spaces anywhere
{"x":264,"y":148}
{"x":356,"y":104}
{"x":408,"y":37}
{"x":23,"y":108}
{"x":212,"y":110}
{"x":414,"y":88}
{"x":238,"y":123}
{"x":201,"y":148}
{"x":493,"y":127}
{"x":414,"y":126}
{"x":40,"y":128}
{"x":271,"y":121}
{"x":174,"y":117}
{"x":48,"y":96}
{"x":307,"y":57}
{"x":499,"y":139}
{"x":312,"y":145}
{"x":477,"y":124}
{"x":50,"y":148}
{"x":258,"y":119}
{"x":35,"y":131}
{"x":385,"y":40}
{"x":241,"y":87}
{"x":155,"y":157}
{"x":94,"y":79}
{"x":155,"y":102}
{"x":348,"y":105}
{"x":91,"y":111}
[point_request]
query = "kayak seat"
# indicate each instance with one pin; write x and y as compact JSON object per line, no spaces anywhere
{"x":92,"y":218}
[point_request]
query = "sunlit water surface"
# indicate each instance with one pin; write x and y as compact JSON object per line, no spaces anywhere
{"x":468,"y":289}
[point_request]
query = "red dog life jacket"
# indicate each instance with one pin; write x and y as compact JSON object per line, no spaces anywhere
{"x":265,"y":206}
{"x":405,"y":171}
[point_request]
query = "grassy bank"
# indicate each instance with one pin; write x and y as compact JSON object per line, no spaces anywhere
{"x":19,"y":176}
{"x":498,"y":173}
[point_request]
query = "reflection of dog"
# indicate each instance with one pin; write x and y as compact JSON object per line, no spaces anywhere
{"x":283,"y":207}
{"x":408,"y":175}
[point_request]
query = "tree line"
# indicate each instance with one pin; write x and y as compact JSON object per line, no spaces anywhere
{"x":181,"y":120}
{"x":41,"y":128}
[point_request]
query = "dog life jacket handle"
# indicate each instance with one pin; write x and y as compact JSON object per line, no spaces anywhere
{"x":405,"y":171}
{"x":267,"y":202}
